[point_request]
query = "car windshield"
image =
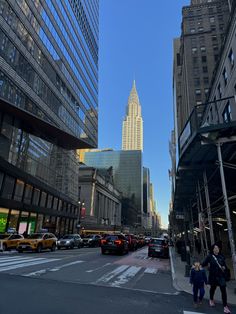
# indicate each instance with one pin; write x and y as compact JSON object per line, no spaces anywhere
{"x":68,"y":236}
{"x":111,"y":238}
{"x":35,"y":236}
{"x":4,"y":236}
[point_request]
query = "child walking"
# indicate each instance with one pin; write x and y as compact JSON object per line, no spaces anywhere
{"x":198,"y":278}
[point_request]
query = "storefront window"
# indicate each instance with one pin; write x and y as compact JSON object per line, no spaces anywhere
{"x":32,"y":223}
{"x":23,"y":222}
{"x":19,"y":190}
{"x":3,"y":219}
{"x":14,"y":216}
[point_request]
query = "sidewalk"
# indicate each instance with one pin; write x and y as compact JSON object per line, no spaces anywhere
{"x":181,"y":283}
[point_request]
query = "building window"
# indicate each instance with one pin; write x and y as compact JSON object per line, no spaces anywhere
{"x":192,"y":30}
{"x":216,"y":57}
{"x":203,"y":48}
{"x":13,"y":221}
{"x":221,"y":27}
{"x":196,"y":71}
{"x":204,"y":59}
{"x":225,"y":76}
{"x":219,"y":91}
{"x":227,"y":116}
{"x":212,"y":19}
{"x":197,"y":82}
{"x":204,"y":69}
{"x":28,"y":194}
{"x":194,"y":50}
{"x":197,"y":91}
{"x":206,"y":80}
{"x":8,"y":186}
{"x":231,"y":58}
{"x":43,"y":199}
{"x":195,"y":60}
{"x":200,"y":29}
{"x":36,"y":196}
{"x":214,"y":38}
{"x":215,"y":48}
{"x":19,"y":189}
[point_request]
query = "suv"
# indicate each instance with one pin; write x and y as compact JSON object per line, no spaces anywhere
{"x":115,"y":243}
{"x":70,"y":241}
{"x":38,"y":242}
{"x":158,"y":247}
{"x":9,"y":241}
{"x":91,"y":240}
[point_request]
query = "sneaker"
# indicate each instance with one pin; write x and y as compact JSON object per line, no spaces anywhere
{"x":226,"y":309}
{"x":211,"y":303}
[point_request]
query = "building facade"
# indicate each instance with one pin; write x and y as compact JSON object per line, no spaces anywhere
{"x":132,"y":131}
{"x":127,"y":172}
{"x":101,"y":200}
{"x":196,"y":53}
{"x":48,"y":109}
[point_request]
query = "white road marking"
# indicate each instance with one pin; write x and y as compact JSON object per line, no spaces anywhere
{"x":36,"y":273}
{"x":5,"y":259}
{"x":27,"y":264}
{"x":150,"y":270}
{"x":92,"y":270}
{"x":112,"y":274}
{"x":65,"y":265}
{"x":187,"y":312}
{"x":19,"y":261}
{"x":126,"y":276}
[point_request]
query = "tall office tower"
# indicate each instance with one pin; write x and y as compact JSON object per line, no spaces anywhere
{"x":196,"y":53}
{"x":127,"y":170}
{"x":48,"y":109}
{"x":132,"y":131}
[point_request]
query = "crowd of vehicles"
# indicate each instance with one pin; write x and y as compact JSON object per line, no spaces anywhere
{"x":110,"y":243}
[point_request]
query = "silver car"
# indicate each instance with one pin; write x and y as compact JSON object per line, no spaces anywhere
{"x":69,"y":241}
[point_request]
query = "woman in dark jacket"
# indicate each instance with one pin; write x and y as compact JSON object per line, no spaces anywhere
{"x":216,"y":262}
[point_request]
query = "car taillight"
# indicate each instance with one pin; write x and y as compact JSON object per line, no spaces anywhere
{"x":103,"y":241}
{"x":118,"y":242}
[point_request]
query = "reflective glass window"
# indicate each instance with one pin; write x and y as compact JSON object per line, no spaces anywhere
{"x":13,"y":221}
{"x":19,"y":189}
{"x":36,"y":196}
{"x":23,"y":222}
{"x":43,"y":199}
{"x":8,"y":187}
{"x":49,"y":201}
{"x":28,"y":193}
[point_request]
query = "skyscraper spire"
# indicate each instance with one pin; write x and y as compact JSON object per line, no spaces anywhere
{"x":132,"y":132}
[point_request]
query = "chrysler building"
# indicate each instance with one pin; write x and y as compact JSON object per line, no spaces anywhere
{"x":132,"y":131}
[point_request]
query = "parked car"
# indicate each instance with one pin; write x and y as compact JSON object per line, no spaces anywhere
{"x":132,"y":241}
{"x":9,"y":241}
{"x":69,"y":241}
{"x":147,"y":240}
{"x":115,"y":243}
{"x":38,"y":242}
{"x":158,"y":247}
{"x":92,"y":240}
{"x":141,"y":241}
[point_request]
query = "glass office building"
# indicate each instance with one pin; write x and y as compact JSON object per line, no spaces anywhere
{"x":127,"y":171}
{"x":48,"y":109}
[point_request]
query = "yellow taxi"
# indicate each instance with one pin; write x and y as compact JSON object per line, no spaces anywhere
{"x":9,"y":241}
{"x":38,"y":242}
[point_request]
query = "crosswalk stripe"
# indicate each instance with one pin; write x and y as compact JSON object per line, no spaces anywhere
{"x":150,"y":270}
{"x":27,"y":264}
{"x":5,"y":259}
{"x":23,"y":260}
{"x":107,"y":277}
{"x":126,"y":276}
{"x":187,"y":312}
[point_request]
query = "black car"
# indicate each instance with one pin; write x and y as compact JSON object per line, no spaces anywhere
{"x":92,"y":240}
{"x":115,"y":243}
{"x":158,"y":247}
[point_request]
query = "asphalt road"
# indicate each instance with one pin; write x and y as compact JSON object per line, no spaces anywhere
{"x":84,"y":281}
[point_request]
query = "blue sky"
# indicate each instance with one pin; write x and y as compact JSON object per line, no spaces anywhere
{"x":136,"y":40}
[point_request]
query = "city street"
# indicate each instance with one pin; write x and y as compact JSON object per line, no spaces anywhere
{"x":72,"y":281}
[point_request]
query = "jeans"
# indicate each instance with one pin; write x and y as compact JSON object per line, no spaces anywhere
{"x":223,"y":293}
{"x":201,"y":291}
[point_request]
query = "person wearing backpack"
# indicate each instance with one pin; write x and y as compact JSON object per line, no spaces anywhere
{"x":217,"y":275}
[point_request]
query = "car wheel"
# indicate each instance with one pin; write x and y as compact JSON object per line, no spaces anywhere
{"x":72,"y":246}
{"x":58,"y":247}
{"x":20,"y":251}
{"x":53,"y":248}
{"x":4,"y":247}
{"x":39,"y":248}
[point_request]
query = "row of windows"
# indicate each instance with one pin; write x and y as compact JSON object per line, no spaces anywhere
{"x":16,"y":189}
{"x":28,"y":42}
{"x":207,"y":10}
{"x":32,"y":19}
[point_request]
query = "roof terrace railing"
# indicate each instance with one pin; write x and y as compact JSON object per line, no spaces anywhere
{"x":213,"y":114}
